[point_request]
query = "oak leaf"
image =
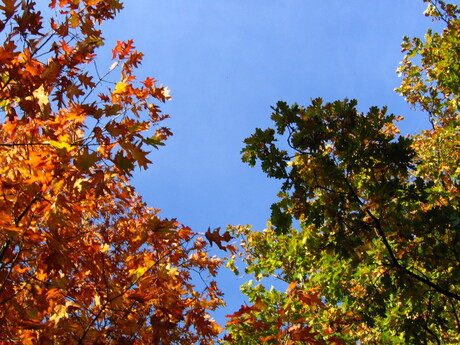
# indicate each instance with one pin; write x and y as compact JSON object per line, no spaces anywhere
{"x":215,"y":237}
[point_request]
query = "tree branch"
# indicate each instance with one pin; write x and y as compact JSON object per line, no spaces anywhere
{"x":393,"y":259}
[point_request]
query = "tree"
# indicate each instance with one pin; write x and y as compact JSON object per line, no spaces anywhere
{"x":83,"y":260}
{"x":376,"y":257}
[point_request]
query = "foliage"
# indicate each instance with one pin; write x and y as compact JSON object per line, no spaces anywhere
{"x":376,"y":257}
{"x":82,"y":258}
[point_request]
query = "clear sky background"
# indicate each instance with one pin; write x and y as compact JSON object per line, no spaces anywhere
{"x":227,"y":62}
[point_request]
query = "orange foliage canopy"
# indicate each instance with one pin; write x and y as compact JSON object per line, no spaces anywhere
{"x":82,"y":259}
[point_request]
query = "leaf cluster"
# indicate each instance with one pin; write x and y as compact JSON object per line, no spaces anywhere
{"x":83,"y":260}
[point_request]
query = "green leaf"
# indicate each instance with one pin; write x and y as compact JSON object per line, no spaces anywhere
{"x":123,"y":163}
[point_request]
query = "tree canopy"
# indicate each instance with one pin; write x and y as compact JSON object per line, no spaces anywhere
{"x":375,"y":258}
{"x":83,"y":260}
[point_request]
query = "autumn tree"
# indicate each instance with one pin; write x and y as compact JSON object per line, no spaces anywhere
{"x":376,"y":256}
{"x":83,"y":260}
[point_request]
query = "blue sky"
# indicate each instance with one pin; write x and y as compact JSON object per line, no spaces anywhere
{"x":227,"y":62}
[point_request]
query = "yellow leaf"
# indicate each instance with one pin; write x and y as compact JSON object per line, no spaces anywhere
{"x":97,"y":300}
{"x":74,"y":20}
{"x":166,"y":93}
{"x":61,"y":145}
{"x":60,"y":311}
{"x":259,"y":305}
{"x":57,"y":185}
{"x":138,"y":272}
{"x":42,"y":98}
{"x":80,"y":184}
{"x":104,"y":248}
{"x":120,"y":88}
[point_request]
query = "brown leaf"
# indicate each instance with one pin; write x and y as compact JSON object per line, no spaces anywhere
{"x":214,"y":236}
